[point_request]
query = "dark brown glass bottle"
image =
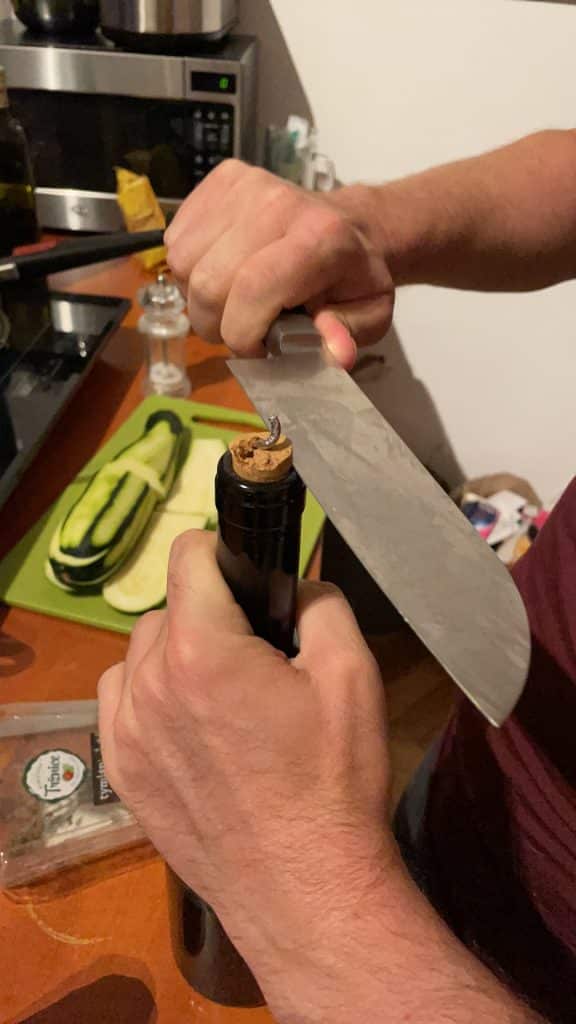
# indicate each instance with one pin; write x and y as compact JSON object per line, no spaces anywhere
{"x":258,"y":553}
{"x":18,"y":223}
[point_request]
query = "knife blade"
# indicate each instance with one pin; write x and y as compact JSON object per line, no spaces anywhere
{"x":417,"y":545}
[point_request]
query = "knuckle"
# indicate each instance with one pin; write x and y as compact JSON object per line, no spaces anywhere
{"x":145,"y":625}
{"x":185,"y":655}
{"x":229,"y":171}
{"x":316,"y":590}
{"x":203,"y":286}
{"x":247,"y":283}
{"x":261,"y":178}
{"x":352,"y":665}
{"x":177,"y":260}
{"x":149,"y":697}
{"x":111,"y":674}
{"x":278,"y":194}
{"x":332,"y":590}
{"x":240,"y":342}
{"x":126,"y":740}
{"x":327,"y":224}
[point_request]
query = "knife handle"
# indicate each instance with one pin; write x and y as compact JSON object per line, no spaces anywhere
{"x":293,"y":333}
{"x":78,"y":253}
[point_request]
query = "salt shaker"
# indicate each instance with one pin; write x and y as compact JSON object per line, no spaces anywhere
{"x":165,"y":327}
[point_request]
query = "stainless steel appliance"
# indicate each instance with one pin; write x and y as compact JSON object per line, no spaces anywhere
{"x":170,"y":23}
{"x":88,"y":107}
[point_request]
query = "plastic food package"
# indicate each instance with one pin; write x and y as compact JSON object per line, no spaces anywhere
{"x":56,"y":805}
{"x":141,"y":212}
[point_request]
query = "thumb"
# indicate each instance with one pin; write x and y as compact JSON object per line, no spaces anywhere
{"x":337,"y":337}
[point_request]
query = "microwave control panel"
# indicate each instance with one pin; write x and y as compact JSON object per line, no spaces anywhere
{"x":213,"y":137}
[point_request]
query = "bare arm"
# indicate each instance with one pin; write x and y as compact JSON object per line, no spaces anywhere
{"x":245,"y":244}
{"x":390,"y":961}
{"x":503,"y":221}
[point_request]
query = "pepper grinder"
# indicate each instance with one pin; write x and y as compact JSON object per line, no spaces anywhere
{"x":165,"y":327}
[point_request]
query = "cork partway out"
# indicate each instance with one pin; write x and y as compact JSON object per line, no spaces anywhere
{"x":262,"y":457}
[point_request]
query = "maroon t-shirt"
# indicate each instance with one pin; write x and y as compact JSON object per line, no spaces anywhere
{"x":500,"y":827}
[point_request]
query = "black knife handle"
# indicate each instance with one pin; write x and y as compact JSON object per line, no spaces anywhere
{"x":79,"y":253}
{"x":258,"y":553}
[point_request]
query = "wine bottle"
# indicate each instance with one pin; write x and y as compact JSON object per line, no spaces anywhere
{"x":18,"y":223}
{"x":260,"y":504}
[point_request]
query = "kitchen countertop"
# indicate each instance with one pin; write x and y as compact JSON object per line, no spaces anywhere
{"x":92,"y":945}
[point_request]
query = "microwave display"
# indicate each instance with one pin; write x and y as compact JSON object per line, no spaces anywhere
{"x":211,"y":81}
{"x":174,"y":143}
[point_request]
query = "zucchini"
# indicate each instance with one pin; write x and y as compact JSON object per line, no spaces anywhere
{"x":193,"y":492}
{"x":53,"y":578}
{"x":88,"y":573}
{"x":103,"y":526}
{"x":104,"y":511}
{"x":141,"y":582}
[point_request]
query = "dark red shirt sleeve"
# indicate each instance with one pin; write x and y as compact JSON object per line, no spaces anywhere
{"x":500,"y":828}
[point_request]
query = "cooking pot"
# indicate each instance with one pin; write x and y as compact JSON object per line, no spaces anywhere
{"x":166,"y":25}
{"x":56,"y":16}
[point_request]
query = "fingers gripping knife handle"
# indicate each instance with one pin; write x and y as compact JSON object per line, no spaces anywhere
{"x":258,"y":553}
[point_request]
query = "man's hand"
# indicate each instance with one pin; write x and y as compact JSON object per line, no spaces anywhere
{"x":245,"y":245}
{"x":262,"y":781}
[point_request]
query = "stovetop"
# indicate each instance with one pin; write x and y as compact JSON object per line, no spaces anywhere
{"x":48,"y":342}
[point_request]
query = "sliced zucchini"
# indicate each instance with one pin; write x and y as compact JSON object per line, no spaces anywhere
{"x":82,"y":574}
{"x":53,"y":578}
{"x":141,"y":582}
{"x":55,"y":551}
{"x":193,"y":492}
{"x":103,"y":526}
{"x":111,"y":497}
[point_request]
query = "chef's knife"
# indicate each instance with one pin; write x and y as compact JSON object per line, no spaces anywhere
{"x":413,"y":540}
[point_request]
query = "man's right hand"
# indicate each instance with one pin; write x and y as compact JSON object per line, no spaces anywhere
{"x":245,"y":245}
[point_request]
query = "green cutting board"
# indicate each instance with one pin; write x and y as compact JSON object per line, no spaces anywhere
{"x":22,"y":579}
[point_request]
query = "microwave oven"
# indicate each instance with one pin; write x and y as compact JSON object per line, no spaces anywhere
{"x":88,"y":107}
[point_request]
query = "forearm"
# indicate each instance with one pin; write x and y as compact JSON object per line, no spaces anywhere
{"x":391,"y":959}
{"x":503,"y":221}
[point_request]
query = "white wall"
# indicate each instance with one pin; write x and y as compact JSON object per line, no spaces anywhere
{"x":280,"y":91}
{"x":397,"y":85}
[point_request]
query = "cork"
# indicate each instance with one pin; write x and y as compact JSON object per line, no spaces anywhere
{"x":260,"y":465}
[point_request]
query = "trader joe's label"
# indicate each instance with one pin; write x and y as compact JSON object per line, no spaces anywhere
{"x":54,"y":775}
